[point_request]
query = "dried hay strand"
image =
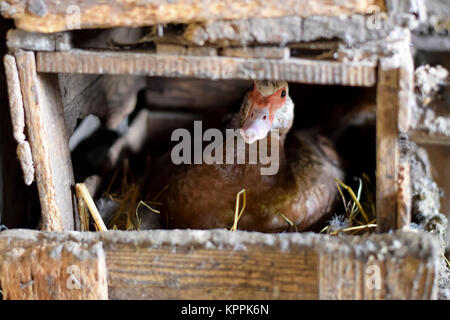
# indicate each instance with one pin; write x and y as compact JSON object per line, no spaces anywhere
{"x":85,"y":201}
{"x":130,"y":201}
{"x":237,"y":213}
{"x":359,"y":211}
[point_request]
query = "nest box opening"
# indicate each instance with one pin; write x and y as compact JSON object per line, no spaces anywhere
{"x":121,"y":164}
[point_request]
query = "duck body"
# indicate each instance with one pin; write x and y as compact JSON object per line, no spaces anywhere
{"x":302,"y":190}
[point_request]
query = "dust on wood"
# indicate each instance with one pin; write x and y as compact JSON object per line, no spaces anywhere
{"x":361,"y":73}
{"x":49,"y":144}
{"x":219,"y":264}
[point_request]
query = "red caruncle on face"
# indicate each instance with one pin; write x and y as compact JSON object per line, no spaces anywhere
{"x":272,"y":102}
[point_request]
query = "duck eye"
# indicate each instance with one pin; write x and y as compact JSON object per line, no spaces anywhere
{"x":283,"y":93}
{"x":251,"y":116}
{"x":265,"y":117}
{"x":253,"y":87}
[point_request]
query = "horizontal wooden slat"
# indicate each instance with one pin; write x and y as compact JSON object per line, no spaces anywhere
{"x":219,"y":264}
{"x":53,"y":16}
{"x":148,"y":64}
{"x":212,"y":274}
{"x":352,"y":29}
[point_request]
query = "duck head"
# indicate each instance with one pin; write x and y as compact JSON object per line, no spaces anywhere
{"x":266,"y":106}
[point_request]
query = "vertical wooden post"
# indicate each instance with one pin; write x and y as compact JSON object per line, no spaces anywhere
{"x":387,"y":150}
{"x":49,"y":143}
{"x":394,"y":94}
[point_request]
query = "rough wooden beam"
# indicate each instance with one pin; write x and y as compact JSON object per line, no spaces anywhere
{"x":296,"y":70}
{"x":19,"y":39}
{"x":49,"y":143}
{"x":219,"y":264}
{"x":51,"y":16}
{"x":387,"y":150}
{"x":394,"y":101}
{"x":284,"y":30}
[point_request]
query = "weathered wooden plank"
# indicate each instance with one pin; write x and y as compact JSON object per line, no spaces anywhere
{"x":387,"y":150}
{"x":49,"y":143}
{"x":296,"y":70}
{"x":394,"y":100}
{"x":285,"y":30}
{"x":349,"y":276}
{"x":51,"y":16}
{"x":206,"y":274}
{"x":219,"y":264}
{"x":55,"y":271}
{"x":19,"y":39}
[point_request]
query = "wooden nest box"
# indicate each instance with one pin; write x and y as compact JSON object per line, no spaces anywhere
{"x":363,"y":43}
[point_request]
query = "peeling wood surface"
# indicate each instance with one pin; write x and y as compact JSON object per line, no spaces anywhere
{"x":219,"y":264}
{"x":18,"y":119}
{"x":135,"y":63}
{"x":50,"y":16}
{"x":286,"y":30}
{"x":49,"y":144}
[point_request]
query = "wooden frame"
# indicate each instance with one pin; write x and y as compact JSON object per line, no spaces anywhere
{"x":318,"y":266}
{"x":48,"y":139}
{"x":216,"y":264}
{"x":393,"y":190}
{"x":393,"y":90}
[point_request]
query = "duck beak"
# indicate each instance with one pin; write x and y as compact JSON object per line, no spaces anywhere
{"x":256,"y":126}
